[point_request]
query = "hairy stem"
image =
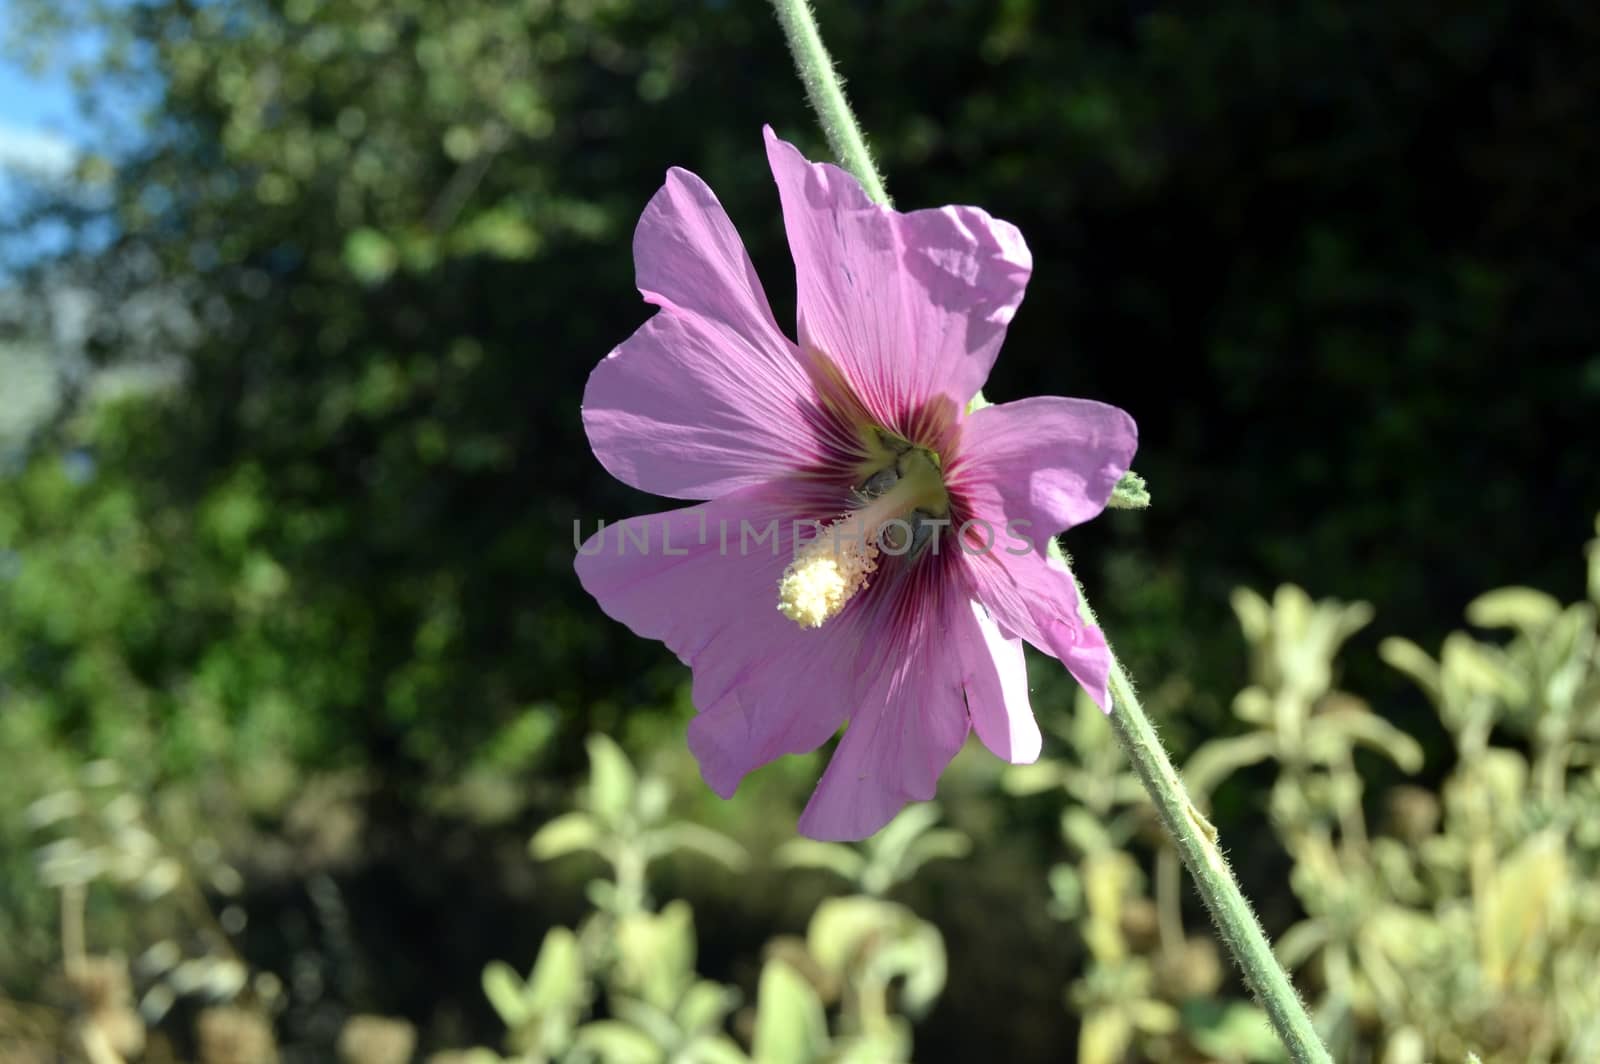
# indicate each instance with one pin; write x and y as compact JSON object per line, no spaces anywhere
{"x":826,"y":92}
{"x":1196,"y":841}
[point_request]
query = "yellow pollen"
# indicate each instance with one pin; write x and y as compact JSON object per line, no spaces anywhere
{"x":826,"y":573}
{"x":829,"y":571}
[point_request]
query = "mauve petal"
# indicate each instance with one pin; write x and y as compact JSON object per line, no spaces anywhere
{"x":996,"y":680}
{"x":708,"y":396}
{"x":910,"y":307}
{"x":764,"y":686}
{"x":1032,"y":597}
{"x":903,"y":733}
{"x":1049,"y":461}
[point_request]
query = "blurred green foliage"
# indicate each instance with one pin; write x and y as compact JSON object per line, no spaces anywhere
{"x":287,"y":538}
{"x":1467,"y":921}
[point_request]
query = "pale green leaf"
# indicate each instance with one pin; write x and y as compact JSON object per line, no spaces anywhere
{"x":1524,"y":608}
{"x":1369,"y":729}
{"x":1255,"y":615}
{"x":611,"y":780}
{"x":507,"y":994}
{"x":791,"y":1027}
{"x":1217,"y":759}
{"x":1036,"y":778}
{"x":808,"y":853}
{"x":614,"y":1042}
{"x":945,"y":844}
{"x":1130,"y":493}
{"x":713,"y":1049}
{"x":705,"y":1005}
{"x":703,"y":841}
{"x":566,"y":834}
{"x":1407,"y":657}
{"x":557,"y":980}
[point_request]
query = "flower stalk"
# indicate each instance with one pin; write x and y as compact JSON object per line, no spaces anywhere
{"x":1196,"y":842}
{"x":1192,"y":834}
{"x":826,"y":93}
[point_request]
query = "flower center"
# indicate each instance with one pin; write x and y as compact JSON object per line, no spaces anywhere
{"x":902,"y":503}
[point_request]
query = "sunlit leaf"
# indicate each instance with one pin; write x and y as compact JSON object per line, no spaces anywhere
{"x":1217,"y":759}
{"x":790,"y":1025}
{"x":566,"y":834}
{"x":703,"y":841}
{"x":557,"y":980}
{"x":1523,"y":608}
{"x":506,"y":993}
{"x":808,"y":853}
{"x":611,"y":781}
{"x":1415,"y":662}
{"x":614,"y":1042}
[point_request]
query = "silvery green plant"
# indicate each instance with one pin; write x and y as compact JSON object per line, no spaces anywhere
{"x":1148,"y":987}
{"x":887,"y":859}
{"x":95,"y":833}
{"x":624,"y":988}
{"x":1296,"y":718}
{"x":622,"y":819}
{"x":1509,"y":877}
{"x":1468,"y":926}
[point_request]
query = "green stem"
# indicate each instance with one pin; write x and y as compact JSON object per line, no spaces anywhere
{"x":822,"y":84}
{"x":1196,"y":841}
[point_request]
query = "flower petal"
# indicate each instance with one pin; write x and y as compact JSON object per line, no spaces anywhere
{"x":902,"y":734}
{"x":704,"y":580}
{"x":911,"y":307}
{"x":1048,"y":461}
{"x":1030,"y":596}
{"x":708,"y":396}
{"x":995,"y":678}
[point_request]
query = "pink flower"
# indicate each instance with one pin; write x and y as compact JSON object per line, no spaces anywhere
{"x":870,"y":553}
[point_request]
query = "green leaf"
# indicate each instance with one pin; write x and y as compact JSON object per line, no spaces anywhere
{"x":1522,"y":608}
{"x":557,"y":980}
{"x":566,"y":834}
{"x":507,"y":994}
{"x":1370,"y":730}
{"x":703,"y":841}
{"x":1407,"y":657}
{"x":1217,"y":759}
{"x":1104,"y":1037}
{"x":840,"y":926}
{"x":655,"y":953}
{"x":705,"y":1005}
{"x":1066,"y":889}
{"x":611,"y":781}
{"x":918,"y":957}
{"x":890,"y":1046}
{"x":1037,"y":778}
{"x":790,"y":1025}
{"x":1084,"y":830}
{"x":714,"y":1049}
{"x":1298,"y":944}
{"x":1233,"y":1032}
{"x":889,"y":845}
{"x":614,"y":1042}
{"x":1130,"y":493}
{"x":945,"y":844}
{"x":1469,"y":666}
{"x":1255,"y":615}
{"x":830,"y":856}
